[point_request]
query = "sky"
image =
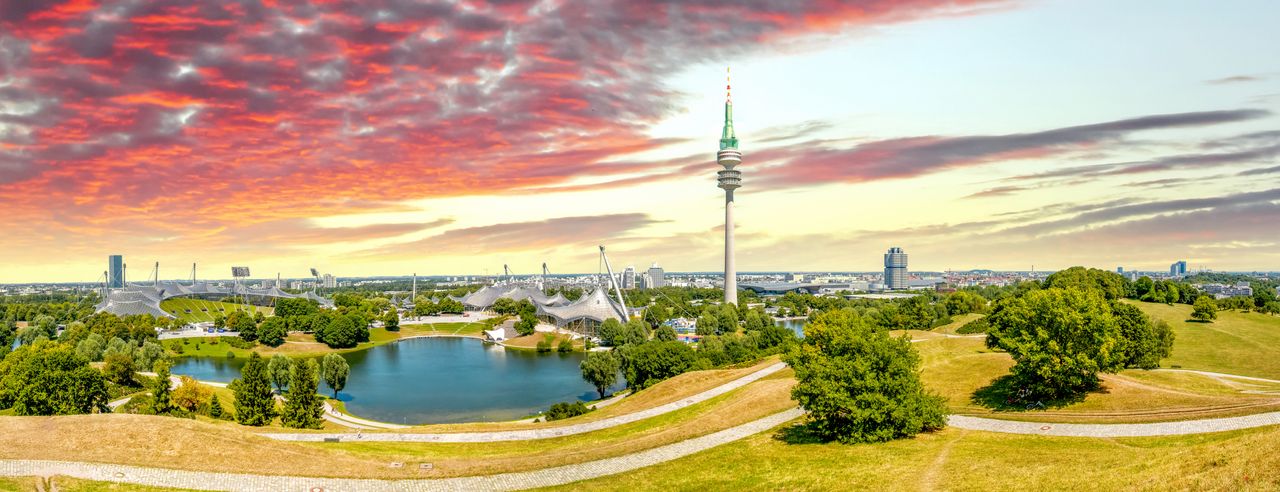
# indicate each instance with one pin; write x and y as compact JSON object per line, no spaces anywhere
{"x":393,"y":137}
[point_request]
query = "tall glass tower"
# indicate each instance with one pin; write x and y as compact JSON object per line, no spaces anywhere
{"x":115,"y":271}
{"x":895,"y":269}
{"x":730,"y":179}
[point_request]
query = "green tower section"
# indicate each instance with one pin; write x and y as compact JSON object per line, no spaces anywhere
{"x":728,"y":139}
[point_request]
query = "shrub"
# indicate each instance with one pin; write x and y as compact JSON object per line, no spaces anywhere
{"x":565,"y":346}
{"x":973,"y":327}
{"x":564,"y":410}
{"x":1205,"y":309}
{"x":545,"y":344}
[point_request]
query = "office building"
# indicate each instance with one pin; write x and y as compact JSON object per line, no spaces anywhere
{"x":657,"y":278}
{"x":895,"y":269}
{"x":330,"y":281}
{"x":115,"y":271}
{"x":629,"y":278}
{"x":1178,"y":269}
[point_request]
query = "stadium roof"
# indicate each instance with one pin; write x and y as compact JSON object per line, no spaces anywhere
{"x":146,"y":299}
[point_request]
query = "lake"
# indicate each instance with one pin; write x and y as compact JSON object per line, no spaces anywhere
{"x":439,"y":380}
{"x":796,"y":325}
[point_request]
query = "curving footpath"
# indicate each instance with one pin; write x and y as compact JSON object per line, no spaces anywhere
{"x":560,"y":475}
{"x":530,"y":434}
{"x":1202,"y":426}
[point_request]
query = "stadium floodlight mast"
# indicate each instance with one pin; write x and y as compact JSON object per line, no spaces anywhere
{"x":613,"y":282}
{"x":238,"y":273}
{"x":315,"y":273}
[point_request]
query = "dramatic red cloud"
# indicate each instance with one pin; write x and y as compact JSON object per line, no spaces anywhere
{"x":197,"y":113}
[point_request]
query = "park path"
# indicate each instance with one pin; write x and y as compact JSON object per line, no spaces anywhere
{"x":530,"y":434}
{"x":1201,"y":426}
{"x":547,"y":477}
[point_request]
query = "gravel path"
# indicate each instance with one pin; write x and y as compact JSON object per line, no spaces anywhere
{"x":529,"y":434}
{"x":159,"y":477}
{"x":1201,"y":426}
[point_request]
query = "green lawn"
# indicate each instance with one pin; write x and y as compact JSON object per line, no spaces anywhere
{"x":1247,"y":344}
{"x":202,"y":310}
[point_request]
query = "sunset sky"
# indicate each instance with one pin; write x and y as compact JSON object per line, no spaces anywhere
{"x":395,"y":136}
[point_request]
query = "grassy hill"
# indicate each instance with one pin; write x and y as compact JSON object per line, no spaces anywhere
{"x":202,"y":310}
{"x":1247,"y":344}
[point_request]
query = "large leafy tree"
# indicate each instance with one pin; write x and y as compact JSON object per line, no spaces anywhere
{"x":303,"y":410}
{"x":255,"y":405}
{"x":648,"y":363}
{"x":1205,"y":309}
{"x":600,"y":369}
{"x":48,"y":378}
{"x":1109,"y":285}
{"x":273,"y":331}
{"x":1060,"y":339}
{"x":286,"y":308}
{"x":335,"y":370}
{"x":339,"y":333}
{"x":1146,"y":342}
{"x":859,"y":384}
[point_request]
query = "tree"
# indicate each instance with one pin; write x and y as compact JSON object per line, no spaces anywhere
{"x":273,"y":331}
{"x":1060,"y":339}
{"x":859,"y":384}
{"x":1146,"y":342}
{"x":600,"y":369}
{"x":255,"y":404}
{"x":243,"y":323}
{"x":335,"y":370}
{"x":1205,"y":309}
{"x":752,"y":321}
{"x":219,"y":321}
{"x":610,"y":331}
{"x":392,"y":320}
{"x":191,"y":396}
{"x":215,"y":407}
{"x":258,"y":317}
{"x":728,"y":315}
{"x":146,"y":356}
{"x":90,"y":348}
{"x":647,"y":364}
{"x":964,"y":302}
{"x":1109,"y":285}
{"x":47,"y":326}
{"x":303,"y":409}
{"x":633,"y":332}
{"x":339,"y":333}
{"x":28,"y":335}
{"x":47,"y":378}
{"x":287,"y":308}
{"x":665,"y":333}
{"x":527,"y":324}
{"x":279,"y":369}
{"x":161,"y":390}
{"x":708,"y":324}
{"x":118,"y":368}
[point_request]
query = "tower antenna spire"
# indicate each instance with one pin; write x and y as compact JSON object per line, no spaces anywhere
{"x":728,"y":86}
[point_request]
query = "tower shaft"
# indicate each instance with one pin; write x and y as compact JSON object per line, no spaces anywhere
{"x":729,"y":179}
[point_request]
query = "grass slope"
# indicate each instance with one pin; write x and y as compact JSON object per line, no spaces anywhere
{"x":305,"y":345}
{"x":1247,"y":344}
{"x":202,"y":310}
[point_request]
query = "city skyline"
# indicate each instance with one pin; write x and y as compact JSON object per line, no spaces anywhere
{"x":982,"y":134}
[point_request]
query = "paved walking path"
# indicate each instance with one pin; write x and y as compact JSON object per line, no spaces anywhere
{"x":1216,"y":375}
{"x":560,"y":475}
{"x":1184,"y":427}
{"x":529,"y":434}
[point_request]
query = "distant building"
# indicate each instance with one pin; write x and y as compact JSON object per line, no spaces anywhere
{"x":1120,"y":270}
{"x":629,"y":278}
{"x":657,"y":278}
{"x":115,"y":271}
{"x":330,"y":281}
{"x":1178,"y":269}
{"x":895,"y":269}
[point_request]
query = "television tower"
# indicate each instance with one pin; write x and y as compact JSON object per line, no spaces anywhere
{"x":730,"y":179}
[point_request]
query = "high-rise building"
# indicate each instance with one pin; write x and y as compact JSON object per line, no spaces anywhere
{"x":330,"y":281}
{"x":115,"y":271}
{"x":1178,"y":268}
{"x":729,"y":179}
{"x":1120,"y":270}
{"x":629,"y":277}
{"x":895,"y":269}
{"x":657,"y":278}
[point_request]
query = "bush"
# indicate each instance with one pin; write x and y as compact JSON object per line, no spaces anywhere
{"x":564,"y":410}
{"x":118,"y":368}
{"x":859,"y":384}
{"x":973,"y":327}
{"x":1205,"y":309}
{"x":545,"y":344}
{"x":48,"y":378}
{"x":565,"y":346}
